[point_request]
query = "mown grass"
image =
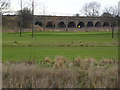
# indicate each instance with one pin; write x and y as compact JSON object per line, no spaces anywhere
{"x":48,"y":38}
{"x":98,"y":45}
{"x":17,"y":53}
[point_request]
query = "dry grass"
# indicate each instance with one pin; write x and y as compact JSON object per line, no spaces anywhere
{"x":63,"y":73}
{"x":59,"y":61}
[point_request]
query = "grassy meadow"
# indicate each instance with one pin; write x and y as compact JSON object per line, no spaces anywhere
{"x":60,"y":60}
{"x":98,"y":45}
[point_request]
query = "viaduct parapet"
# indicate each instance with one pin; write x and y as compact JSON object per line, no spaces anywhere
{"x":72,"y":21}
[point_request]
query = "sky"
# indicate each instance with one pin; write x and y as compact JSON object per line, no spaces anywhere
{"x":61,"y":7}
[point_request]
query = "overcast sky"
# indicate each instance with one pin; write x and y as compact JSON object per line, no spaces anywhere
{"x":62,"y":7}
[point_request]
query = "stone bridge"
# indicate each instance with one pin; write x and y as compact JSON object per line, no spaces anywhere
{"x":72,"y":21}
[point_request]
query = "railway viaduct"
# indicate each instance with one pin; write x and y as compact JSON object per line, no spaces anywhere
{"x":72,"y":21}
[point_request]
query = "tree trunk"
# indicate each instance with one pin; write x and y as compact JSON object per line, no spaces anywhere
{"x":33,"y":18}
{"x":112,"y":32}
{"x":21,"y":22}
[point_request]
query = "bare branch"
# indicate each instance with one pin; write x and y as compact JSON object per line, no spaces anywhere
{"x":91,"y":9}
{"x":113,"y":11}
{"x":4,"y":4}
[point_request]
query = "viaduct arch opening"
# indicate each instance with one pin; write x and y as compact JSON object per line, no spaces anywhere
{"x":61,"y":25}
{"x":106,"y":24}
{"x":49,"y":25}
{"x":98,"y":24}
{"x":39,"y":23}
{"x":71,"y":25}
{"x":81,"y":25}
{"x":90,"y":24}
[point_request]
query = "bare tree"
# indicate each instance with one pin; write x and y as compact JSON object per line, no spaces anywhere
{"x":26,"y":15}
{"x":91,"y":9}
{"x":111,"y":14}
{"x":86,"y":10}
{"x":113,"y":11}
{"x":32,"y":4}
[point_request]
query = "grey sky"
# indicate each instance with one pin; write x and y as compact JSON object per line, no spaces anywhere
{"x":62,"y":7}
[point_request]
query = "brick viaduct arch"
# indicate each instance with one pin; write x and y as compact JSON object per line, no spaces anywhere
{"x":71,"y":22}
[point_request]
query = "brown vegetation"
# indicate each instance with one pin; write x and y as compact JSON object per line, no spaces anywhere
{"x":63,"y":73}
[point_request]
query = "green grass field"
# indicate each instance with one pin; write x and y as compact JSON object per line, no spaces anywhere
{"x":98,"y":45}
